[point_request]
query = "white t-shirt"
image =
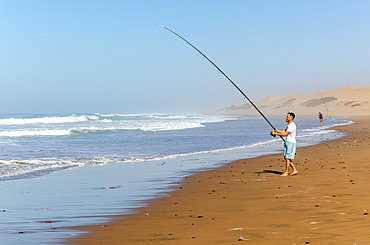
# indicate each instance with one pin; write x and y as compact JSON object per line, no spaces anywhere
{"x":292,"y":128}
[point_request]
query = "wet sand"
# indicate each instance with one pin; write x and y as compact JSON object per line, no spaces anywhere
{"x":328,"y":202}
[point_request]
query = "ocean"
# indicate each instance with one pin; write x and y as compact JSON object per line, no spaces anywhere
{"x":58,"y":171}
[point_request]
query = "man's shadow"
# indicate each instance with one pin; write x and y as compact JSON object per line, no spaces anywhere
{"x":269,"y":171}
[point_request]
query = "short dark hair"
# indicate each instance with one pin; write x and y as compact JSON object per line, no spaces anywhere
{"x":291,"y":114}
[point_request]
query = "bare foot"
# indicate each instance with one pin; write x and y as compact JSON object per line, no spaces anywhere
{"x":283,"y":175}
{"x":294,"y":173}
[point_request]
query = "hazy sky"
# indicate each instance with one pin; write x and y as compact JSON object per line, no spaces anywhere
{"x":110,"y":56}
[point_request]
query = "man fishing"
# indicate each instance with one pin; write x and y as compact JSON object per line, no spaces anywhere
{"x":251,"y":102}
{"x":320,"y":117}
{"x":290,"y":143}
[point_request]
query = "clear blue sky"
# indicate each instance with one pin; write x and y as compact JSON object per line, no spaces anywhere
{"x":110,"y":56}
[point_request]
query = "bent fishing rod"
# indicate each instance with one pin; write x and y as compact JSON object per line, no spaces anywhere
{"x":326,"y":107}
{"x":245,"y":96}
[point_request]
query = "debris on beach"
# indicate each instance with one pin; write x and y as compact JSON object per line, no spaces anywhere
{"x":111,"y":187}
{"x":236,"y":229}
{"x":242,"y":239}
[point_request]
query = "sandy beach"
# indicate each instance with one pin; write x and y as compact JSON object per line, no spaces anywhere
{"x":326,"y":203}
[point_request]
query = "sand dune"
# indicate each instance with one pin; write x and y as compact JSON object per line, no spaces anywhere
{"x":348,"y":101}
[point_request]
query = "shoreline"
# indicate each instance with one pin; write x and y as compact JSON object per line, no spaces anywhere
{"x":247,"y":198}
{"x":96,"y":194}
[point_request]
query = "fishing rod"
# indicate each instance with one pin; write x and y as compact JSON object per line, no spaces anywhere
{"x":224,"y":75}
{"x":325,"y":106}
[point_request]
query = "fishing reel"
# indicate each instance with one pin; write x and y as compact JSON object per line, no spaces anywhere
{"x":273,"y":135}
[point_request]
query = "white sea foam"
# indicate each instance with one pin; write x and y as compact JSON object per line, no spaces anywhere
{"x":36,"y":167}
{"x":209,"y":118}
{"x":46,"y":120}
{"x":106,"y":120}
{"x":327,"y":126}
{"x":35,"y":133}
{"x":84,"y":124}
{"x":108,"y":115}
{"x":93,"y":117}
{"x":201,"y":152}
{"x":321,"y":132}
{"x":169,"y":123}
{"x":15,"y":168}
{"x":87,"y":130}
{"x":91,"y":150}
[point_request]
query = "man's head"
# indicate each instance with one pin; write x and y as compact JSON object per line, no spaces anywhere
{"x":290,"y":117}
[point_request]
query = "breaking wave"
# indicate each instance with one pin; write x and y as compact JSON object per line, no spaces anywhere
{"x":47,"y":120}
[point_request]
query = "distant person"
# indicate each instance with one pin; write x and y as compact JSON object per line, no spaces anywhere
{"x":290,"y":143}
{"x":321,"y":118}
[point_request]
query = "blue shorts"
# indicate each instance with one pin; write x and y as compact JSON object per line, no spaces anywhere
{"x":289,"y":150}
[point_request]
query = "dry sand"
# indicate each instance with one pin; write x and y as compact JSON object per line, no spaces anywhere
{"x":348,"y":101}
{"x":326,"y":203}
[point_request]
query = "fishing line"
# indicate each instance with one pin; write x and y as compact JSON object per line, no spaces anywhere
{"x":224,"y":75}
